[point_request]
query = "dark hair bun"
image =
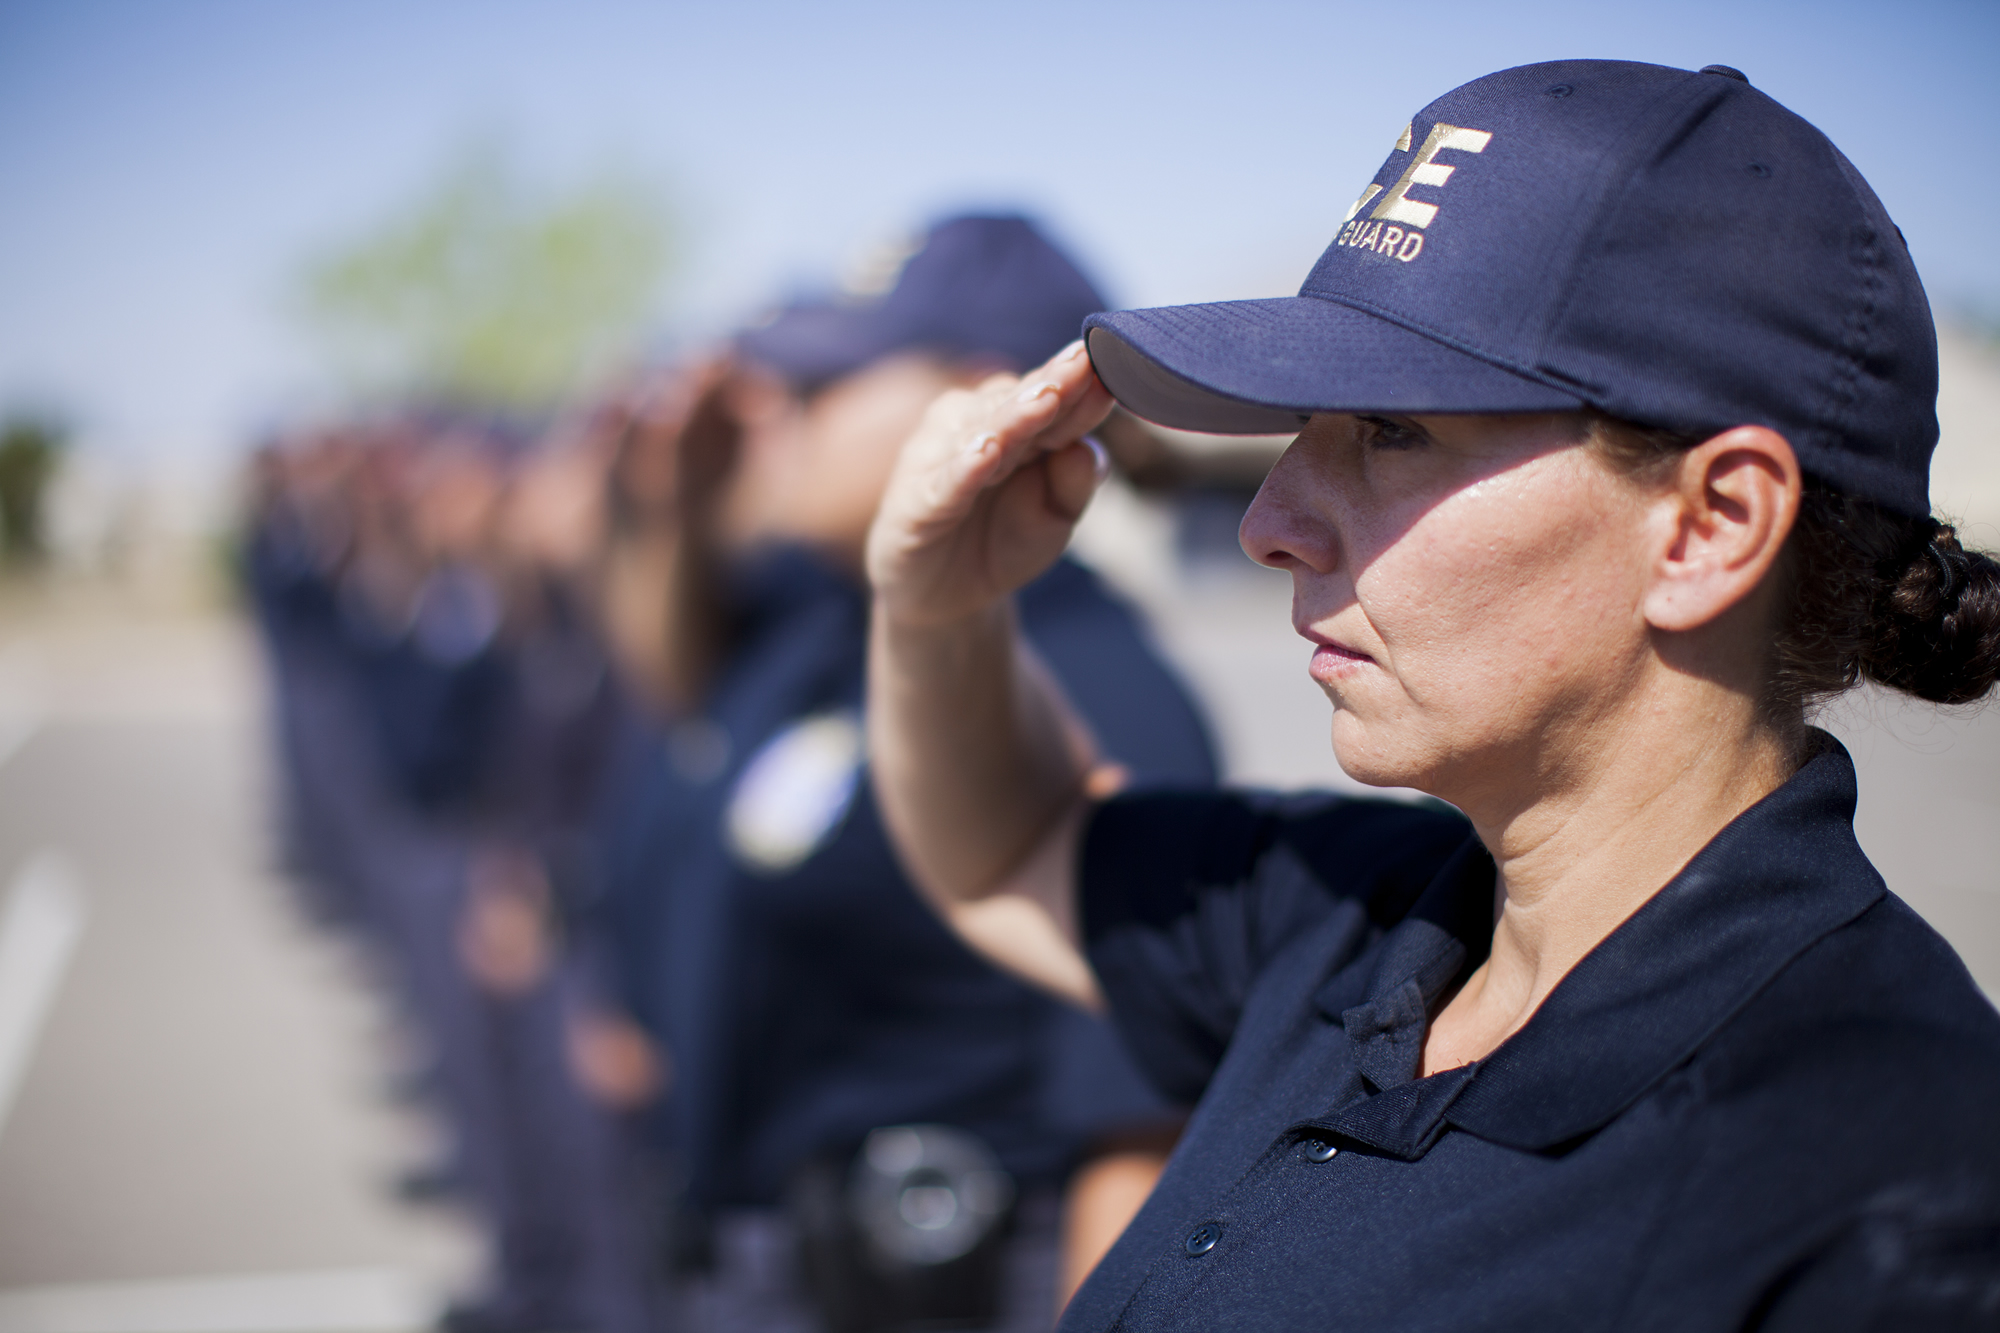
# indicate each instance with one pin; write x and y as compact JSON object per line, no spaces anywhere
{"x":1870,"y":594}
{"x":1937,"y":623}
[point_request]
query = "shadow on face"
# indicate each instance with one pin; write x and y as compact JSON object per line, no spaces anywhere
{"x":1472,"y":587}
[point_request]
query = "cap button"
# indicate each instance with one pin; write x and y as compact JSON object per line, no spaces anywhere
{"x":1726,"y":72}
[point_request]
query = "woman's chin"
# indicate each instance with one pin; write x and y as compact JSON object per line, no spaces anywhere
{"x":1363,"y":758}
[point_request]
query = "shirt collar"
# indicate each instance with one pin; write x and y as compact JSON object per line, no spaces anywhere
{"x":1446,"y":934}
{"x":1779,"y":877}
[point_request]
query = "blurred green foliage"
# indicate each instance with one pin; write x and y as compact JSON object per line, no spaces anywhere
{"x":30,"y":450}
{"x":485,"y":292}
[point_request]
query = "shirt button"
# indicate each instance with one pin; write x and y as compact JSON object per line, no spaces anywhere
{"x":1317,"y":1150}
{"x":1202,"y":1239}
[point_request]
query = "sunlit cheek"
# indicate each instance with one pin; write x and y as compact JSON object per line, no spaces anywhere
{"x":1483,"y":601}
{"x":1430,"y":600}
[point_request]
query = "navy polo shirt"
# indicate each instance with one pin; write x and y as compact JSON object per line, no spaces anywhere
{"x":1769,"y":1099}
{"x":804,"y":992}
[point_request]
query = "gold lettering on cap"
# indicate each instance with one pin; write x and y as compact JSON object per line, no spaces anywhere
{"x":1396,"y":206}
{"x":1402,"y":146}
{"x":1360,"y":203}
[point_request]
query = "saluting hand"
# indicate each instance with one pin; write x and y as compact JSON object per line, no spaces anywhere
{"x":985,"y":494}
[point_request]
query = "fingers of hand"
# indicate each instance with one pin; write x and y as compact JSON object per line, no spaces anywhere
{"x":1028,"y":529}
{"x":950,"y":453}
{"x":1044,"y":411}
{"x":1072,"y":478}
{"x":1044,"y":499}
{"x":974,"y":441}
{"x":967,"y":443}
{"x":1083,"y":400}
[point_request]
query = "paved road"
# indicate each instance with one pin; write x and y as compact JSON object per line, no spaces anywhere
{"x":202,"y":1108}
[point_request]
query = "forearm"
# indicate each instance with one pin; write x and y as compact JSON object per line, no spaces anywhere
{"x":978,"y":769}
{"x":976,"y":756}
{"x":658,"y":611}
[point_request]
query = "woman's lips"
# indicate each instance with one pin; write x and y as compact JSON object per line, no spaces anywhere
{"x":1331,"y":660}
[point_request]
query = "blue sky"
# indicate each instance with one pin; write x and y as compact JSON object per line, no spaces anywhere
{"x":168,"y":165}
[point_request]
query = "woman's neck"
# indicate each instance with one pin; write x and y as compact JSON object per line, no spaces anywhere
{"x":1588,"y":853}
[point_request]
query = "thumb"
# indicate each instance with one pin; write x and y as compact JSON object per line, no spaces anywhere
{"x":1073,"y":474}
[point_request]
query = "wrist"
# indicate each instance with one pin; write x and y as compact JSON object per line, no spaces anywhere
{"x":917,"y":626}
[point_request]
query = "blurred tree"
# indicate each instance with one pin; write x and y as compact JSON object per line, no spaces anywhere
{"x":484,"y":292}
{"x":30,"y":449}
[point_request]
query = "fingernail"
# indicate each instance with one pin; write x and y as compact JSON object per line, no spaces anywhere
{"x":981,"y":446}
{"x":1030,"y":392}
{"x":1071,"y":352}
{"x":1102,"y":457}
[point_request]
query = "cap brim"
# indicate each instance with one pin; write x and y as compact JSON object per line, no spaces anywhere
{"x":1262,"y":367}
{"x":814,"y":344}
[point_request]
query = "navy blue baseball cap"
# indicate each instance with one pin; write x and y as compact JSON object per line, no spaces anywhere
{"x":978,"y":288}
{"x":1673,"y":248}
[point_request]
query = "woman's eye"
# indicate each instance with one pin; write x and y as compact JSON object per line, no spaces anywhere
{"x":1387,"y":433}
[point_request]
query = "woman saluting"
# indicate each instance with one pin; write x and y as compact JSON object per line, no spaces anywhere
{"x":1600,"y":481}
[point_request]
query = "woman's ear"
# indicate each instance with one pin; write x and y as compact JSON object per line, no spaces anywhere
{"x":1724,"y":516}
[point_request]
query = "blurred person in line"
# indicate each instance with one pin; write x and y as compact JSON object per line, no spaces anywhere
{"x":434,"y":603}
{"x":443,"y":711}
{"x":846,"y":1082}
{"x":1616,"y":392}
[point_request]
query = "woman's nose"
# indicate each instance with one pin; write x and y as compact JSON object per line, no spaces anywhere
{"x":1280,"y":529}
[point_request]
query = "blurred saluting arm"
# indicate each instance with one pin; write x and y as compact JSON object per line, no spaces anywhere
{"x":659,"y":588}
{"x":981,"y":768}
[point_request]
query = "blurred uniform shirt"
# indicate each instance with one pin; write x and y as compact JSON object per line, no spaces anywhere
{"x":763,"y":929}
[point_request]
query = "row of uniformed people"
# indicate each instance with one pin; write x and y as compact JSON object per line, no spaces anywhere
{"x":572,"y":736}
{"x":438,"y":724}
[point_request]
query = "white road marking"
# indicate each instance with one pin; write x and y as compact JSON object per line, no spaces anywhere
{"x":39,"y":928}
{"x":351,"y":1300}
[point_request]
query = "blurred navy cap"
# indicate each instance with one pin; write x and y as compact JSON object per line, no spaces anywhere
{"x":977,"y":288}
{"x":1673,"y":248}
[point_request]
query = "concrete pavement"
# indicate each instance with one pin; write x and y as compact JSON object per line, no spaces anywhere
{"x":202,"y":1113}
